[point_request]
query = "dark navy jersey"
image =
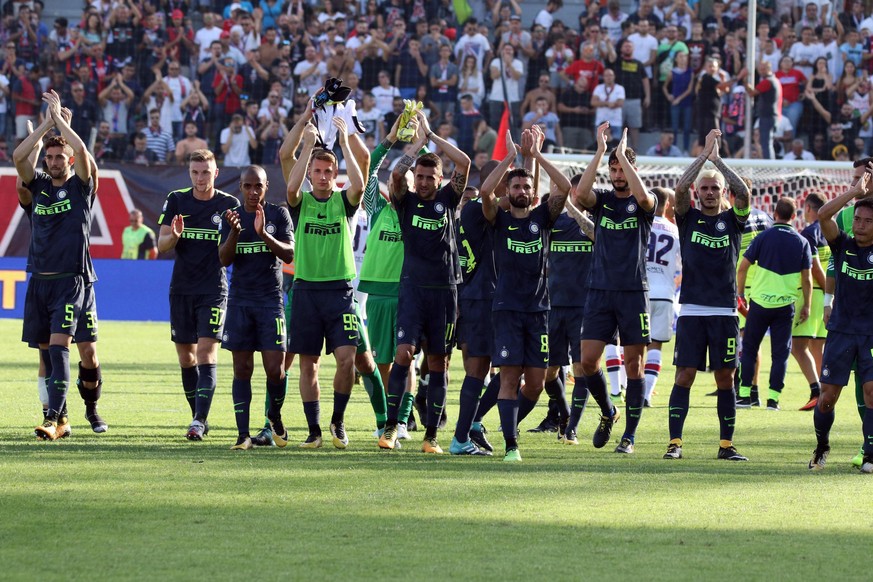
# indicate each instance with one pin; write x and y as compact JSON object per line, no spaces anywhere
{"x":430,"y":251}
{"x":570,"y":254}
{"x":197,"y":270}
{"x":622,"y":233}
{"x":853,"y":269}
{"x":476,"y":253}
{"x":710,"y":250}
{"x":521,"y":248}
{"x":256,"y":279}
{"x":60,"y":218}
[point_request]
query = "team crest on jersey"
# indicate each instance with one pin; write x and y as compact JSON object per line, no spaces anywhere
{"x":270,"y":228}
{"x":216,"y":218}
{"x":62,"y":194}
{"x":870,"y":259}
{"x":534,"y":228}
{"x":631,"y":208}
{"x":439,"y":207}
{"x":720,"y":226}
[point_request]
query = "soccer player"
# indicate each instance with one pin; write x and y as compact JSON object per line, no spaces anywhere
{"x":849,"y":327}
{"x":808,"y":337}
{"x":521,"y":297}
{"x":782,"y":257}
{"x":323,"y":309}
{"x":662,"y":262}
{"x":190,"y":225}
{"x":61,"y":199}
{"x":256,"y":239}
{"x":710,"y":239}
{"x":617,"y":302}
{"x":427,"y":305}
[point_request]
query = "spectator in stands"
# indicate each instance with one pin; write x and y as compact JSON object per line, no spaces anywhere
{"x":385,"y":92}
{"x":139,"y":153}
{"x":710,"y":86}
{"x":806,"y":51}
{"x":543,"y":91}
{"x":311,"y":71}
{"x":84,"y":111}
{"x":158,"y":139}
{"x":586,"y":65}
{"x":645,"y":44}
{"x":484,"y":138}
{"x":443,"y":77}
{"x":506,"y":73}
{"x":520,"y":40}
{"x":559,"y":56}
{"x":608,"y":100}
{"x":577,"y":115}
{"x":371,"y":118}
{"x":25,"y":98}
{"x":548,"y":120}
{"x":793,"y":84}
{"x":470,"y":81}
{"x":768,"y":105}
{"x":544,"y":18}
{"x":665,"y":147}
{"x":631,"y":74}
{"x":180,"y":87}
{"x":611,"y":22}
{"x":797,"y":152}
{"x":236,"y":140}
{"x":189,"y":143}
{"x":678,"y":89}
{"x":472,"y":43}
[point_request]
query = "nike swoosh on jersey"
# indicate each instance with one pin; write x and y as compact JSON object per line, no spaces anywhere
{"x":420,"y":205}
{"x":607,"y":207}
{"x":513,"y":228}
{"x":851,"y":254}
{"x":701,"y":221}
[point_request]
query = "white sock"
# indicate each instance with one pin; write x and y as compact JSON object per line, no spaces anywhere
{"x":653,"y":369}
{"x":613,"y":366}
{"x":622,"y":371}
{"x":42,"y":391}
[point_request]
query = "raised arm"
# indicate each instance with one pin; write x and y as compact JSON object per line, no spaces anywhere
{"x":356,"y":179}
{"x":683,"y":186}
{"x":459,"y":158}
{"x":736,"y":184}
{"x":298,"y":172}
{"x":397,"y":183}
{"x":284,"y":250}
{"x":826,"y":213}
{"x":561,"y":183}
{"x":584,"y":195}
{"x":227,"y":250}
{"x":585,"y":223}
{"x":81,"y":161}
{"x":635,"y":184}
{"x":292,"y":141}
{"x":488,"y":187}
{"x":25,"y":150}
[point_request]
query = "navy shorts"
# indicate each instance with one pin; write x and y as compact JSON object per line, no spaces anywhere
{"x":521,"y":339}
{"x":320,"y":316}
{"x":363,"y":336}
{"x":841,"y":351}
{"x":254,"y":329}
{"x":427,"y":315}
{"x":195,"y":316}
{"x":610,"y":314}
{"x":86,"y":330}
{"x":719,"y":334}
{"x":52,"y":306}
{"x":565,"y":335}
{"x":475,"y":327}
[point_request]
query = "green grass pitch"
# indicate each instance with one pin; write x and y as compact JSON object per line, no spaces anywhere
{"x":142,"y":503}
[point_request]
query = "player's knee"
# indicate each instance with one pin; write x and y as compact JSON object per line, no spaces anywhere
{"x":404,"y":354}
{"x":686,"y":376}
{"x":243,"y":370}
{"x":364,"y":363}
{"x":88,"y":354}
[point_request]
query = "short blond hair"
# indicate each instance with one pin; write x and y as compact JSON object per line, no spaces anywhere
{"x":708,"y":173}
{"x":201,"y":156}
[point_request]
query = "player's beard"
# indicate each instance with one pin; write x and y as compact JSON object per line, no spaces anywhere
{"x":620,"y":186}
{"x":522,"y":201}
{"x":61,"y":173}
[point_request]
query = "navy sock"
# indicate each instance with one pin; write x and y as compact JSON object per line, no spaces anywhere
{"x":189,"y":385}
{"x":815,"y":389}
{"x":726,"y":406}
{"x":556,"y":391}
{"x":525,"y":406}
{"x":242,"y":401}
{"x":678,"y":410}
{"x":59,"y":381}
{"x":340,"y":401}
{"x":822,"y":422}
{"x":46,"y":361}
{"x":580,"y":399}
{"x":636,"y":389}
{"x":206,"y":381}
{"x":275,"y":397}
{"x":596,"y":384}
{"x":470,"y":391}
{"x":312,"y":410}
{"x":436,"y":400}
{"x":508,"y":409}
{"x":488,"y":399}
{"x":867,"y":428}
{"x":396,"y":387}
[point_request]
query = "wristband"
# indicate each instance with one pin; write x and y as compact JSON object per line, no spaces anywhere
{"x":828,"y":300}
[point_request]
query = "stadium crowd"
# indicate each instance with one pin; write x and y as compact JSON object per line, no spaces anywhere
{"x":150,"y":81}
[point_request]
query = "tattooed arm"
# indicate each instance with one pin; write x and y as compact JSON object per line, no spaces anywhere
{"x":736,"y":184}
{"x":683,"y":186}
{"x":459,"y":158}
{"x":581,"y":219}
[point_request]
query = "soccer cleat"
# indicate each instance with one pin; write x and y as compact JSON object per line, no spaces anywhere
{"x":338,"y":435}
{"x":388,"y":440}
{"x":431,"y":446}
{"x":480,"y":440}
{"x":867,"y":464}
{"x":772,"y":404}
{"x":813,"y":400}
{"x":280,"y":433}
{"x":47,"y":431}
{"x":730,"y":454}
{"x":64,"y":429}
{"x":626,"y":446}
{"x":243,"y":443}
{"x":195,"y":431}
{"x":744,"y":402}
{"x":263,"y":438}
{"x":547,"y":425}
{"x":512,"y":456}
{"x":570,"y":438}
{"x":819,"y":457}
{"x":858,"y":459}
{"x":604,"y":430}
{"x":467,"y":448}
{"x":98,"y":425}
{"x":403,"y":432}
{"x":674,"y":451}
{"x":312,"y":442}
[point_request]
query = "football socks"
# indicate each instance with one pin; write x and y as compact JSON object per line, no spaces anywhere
{"x":206,"y":381}
{"x":396,"y":388}
{"x":726,"y":405}
{"x":376,"y":391}
{"x":242,"y":399}
{"x":471,"y":388}
{"x":678,"y":409}
{"x":189,"y":385}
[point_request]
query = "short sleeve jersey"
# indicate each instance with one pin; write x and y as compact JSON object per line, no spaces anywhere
{"x":570,"y":254}
{"x":60,"y":226}
{"x":662,"y":259}
{"x":430,"y":251}
{"x":521,"y":257}
{"x":197,"y":270}
{"x":323,"y":230}
{"x":853,"y":267}
{"x":710,"y":250}
{"x":818,"y":245}
{"x":476,"y":253}
{"x":256,"y":279}
{"x":622,"y":231}
{"x":780,"y":254}
{"x":757,"y":222}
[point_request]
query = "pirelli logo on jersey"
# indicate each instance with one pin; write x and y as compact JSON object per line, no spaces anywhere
{"x":713,"y":242}
{"x":322,"y":228}
{"x":626,"y":224}
{"x":56,"y":208}
{"x":207,"y":234}
{"x":428,"y":223}
{"x":391,"y":236}
{"x":857,"y":274}
{"x":524,"y":248}
{"x":571,"y":246}
{"x":250,"y":248}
